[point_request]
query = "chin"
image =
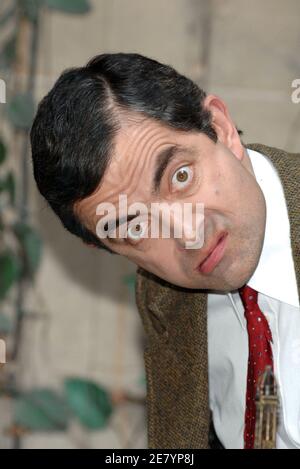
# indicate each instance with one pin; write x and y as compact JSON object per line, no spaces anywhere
{"x":229,"y":280}
{"x":238,"y":281}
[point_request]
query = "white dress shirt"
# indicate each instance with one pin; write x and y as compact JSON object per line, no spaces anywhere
{"x":275,"y":280}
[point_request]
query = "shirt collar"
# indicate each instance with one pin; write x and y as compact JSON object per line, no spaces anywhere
{"x":275,"y":273}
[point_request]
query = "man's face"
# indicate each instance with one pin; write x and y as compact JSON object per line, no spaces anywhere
{"x":219,"y":175}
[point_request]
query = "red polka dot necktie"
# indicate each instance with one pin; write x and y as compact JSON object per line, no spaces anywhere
{"x":260,"y":355}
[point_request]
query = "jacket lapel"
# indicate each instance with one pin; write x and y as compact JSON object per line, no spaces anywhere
{"x":176,"y":364}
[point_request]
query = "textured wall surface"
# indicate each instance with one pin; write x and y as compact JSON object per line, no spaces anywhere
{"x":87,"y":323}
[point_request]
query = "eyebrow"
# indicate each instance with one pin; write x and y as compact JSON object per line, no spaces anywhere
{"x":162,"y":161}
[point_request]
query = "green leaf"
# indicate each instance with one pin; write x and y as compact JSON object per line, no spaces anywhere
{"x":8,"y":52}
{"x":2,"y":152}
{"x":69,"y":6}
{"x":90,"y":403}
{"x":129,"y":280}
{"x":41,"y":410}
{"x":10,"y":271}
{"x":11,"y":186}
{"x":7,"y":15}
{"x":6,"y":325}
{"x":8,"y":184}
{"x":30,"y":8}
{"x":142,"y":380}
{"x":20,"y":111}
{"x":32,"y":247}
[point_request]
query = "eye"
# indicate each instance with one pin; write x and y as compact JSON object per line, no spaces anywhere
{"x":182,"y":177}
{"x":137,"y":230}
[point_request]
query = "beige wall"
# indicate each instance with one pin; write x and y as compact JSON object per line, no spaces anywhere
{"x":248,"y":53}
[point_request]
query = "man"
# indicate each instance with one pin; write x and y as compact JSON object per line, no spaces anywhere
{"x":126,"y":124}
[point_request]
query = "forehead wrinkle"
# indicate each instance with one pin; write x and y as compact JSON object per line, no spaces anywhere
{"x":145,"y":164}
{"x":125,"y":166}
{"x":133,"y":167}
{"x":141,"y":140}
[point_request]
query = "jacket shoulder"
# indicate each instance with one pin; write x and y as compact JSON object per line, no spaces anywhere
{"x":273,"y":152}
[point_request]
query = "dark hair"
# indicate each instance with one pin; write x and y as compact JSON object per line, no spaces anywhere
{"x":72,"y":136}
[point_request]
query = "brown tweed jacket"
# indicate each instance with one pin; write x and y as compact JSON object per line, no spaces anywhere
{"x":175,"y":324}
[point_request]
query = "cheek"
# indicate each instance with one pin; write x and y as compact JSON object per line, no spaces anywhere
{"x":231,"y":191}
{"x":158,"y":258}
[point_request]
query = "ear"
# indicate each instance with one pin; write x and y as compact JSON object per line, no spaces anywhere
{"x":223,"y":124}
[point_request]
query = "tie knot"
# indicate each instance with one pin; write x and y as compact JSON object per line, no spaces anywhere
{"x":248,"y":296}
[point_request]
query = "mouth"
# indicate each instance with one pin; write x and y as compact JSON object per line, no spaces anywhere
{"x":214,"y":254}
